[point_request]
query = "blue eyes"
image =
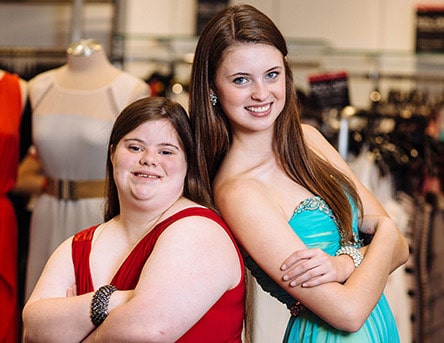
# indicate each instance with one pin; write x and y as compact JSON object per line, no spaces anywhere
{"x":272,"y":75}
{"x":241,"y":80}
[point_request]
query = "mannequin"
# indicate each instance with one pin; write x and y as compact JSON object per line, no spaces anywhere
{"x":13,"y":95}
{"x":73,"y":110}
{"x":87,"y":67}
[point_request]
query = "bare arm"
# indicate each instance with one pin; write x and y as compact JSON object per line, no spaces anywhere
{"x":193,"y":264}
{"x":374,"y":215}
{"x":262,"y":229}
{"x":311,"y":267}
{"x":50,"y":316}
{"x":29,"y":177}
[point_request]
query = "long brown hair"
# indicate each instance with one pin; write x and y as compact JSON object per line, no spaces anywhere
{"x":134,"y":115}
{"x":245,"y":24}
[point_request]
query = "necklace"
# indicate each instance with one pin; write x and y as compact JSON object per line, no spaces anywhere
{"x":161,"y":215}
{"x":148,"y":227}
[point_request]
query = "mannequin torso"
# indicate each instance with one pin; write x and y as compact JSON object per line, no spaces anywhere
{"x":73,"y":110}
{"x":86,"y":68}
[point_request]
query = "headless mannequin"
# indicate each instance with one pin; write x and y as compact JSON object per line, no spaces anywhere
{"x":87,"y":67}
{"x":81,"y":98}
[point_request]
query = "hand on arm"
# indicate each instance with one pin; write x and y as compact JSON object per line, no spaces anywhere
{"x":193,"y":263}
{"x":313,"y":267}
{"x":262,"y":229}
{"x":374,"y":215}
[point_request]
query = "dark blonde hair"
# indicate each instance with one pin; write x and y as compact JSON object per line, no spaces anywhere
{"x":244,"y":24}
{"x":134,"y":115}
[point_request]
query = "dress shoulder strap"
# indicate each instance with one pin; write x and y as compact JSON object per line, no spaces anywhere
{"x":128,"y":274}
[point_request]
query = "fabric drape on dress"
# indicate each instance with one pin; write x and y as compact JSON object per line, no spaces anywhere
{"x":223,"y":321}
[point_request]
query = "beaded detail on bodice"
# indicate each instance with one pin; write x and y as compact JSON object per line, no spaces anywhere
{"x":315,"y":203}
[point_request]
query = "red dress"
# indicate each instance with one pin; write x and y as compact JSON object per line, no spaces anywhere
{"x":222,"y":323}
{"x":10,"y":117}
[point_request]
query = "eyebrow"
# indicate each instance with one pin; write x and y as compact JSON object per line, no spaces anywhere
{"x":164,"y":144}
{"x":273,"y":68}
{"x":170,"y":145}
{"x":244,"y":74}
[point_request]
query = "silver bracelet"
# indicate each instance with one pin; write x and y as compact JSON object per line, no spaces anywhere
{"x":353,"y":252}
{"x":99,"y":304}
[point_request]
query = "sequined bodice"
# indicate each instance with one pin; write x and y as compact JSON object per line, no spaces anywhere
{"x":315,"y":203}
{"x":315,"y":224}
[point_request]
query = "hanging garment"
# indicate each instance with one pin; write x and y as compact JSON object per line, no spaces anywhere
{"x":10,"y":116}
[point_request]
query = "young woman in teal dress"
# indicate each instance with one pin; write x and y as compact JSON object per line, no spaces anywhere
{"x":282,"y":188}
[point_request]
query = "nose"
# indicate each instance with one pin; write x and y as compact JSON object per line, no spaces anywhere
{"x":260,"y":91}
{"x":148,"y":158}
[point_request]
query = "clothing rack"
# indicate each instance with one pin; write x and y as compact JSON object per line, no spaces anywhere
{"x":31,"y":52}
{"x":29,"y":61}
{"x":418,"y":76}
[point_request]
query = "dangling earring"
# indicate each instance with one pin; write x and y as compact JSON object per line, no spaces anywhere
{"x":213,"y":99}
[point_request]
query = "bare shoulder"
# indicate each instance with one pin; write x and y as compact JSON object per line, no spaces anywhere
{"x":313,"y":137}
{"x":195,"y":225}
{"x":310,"y":130}
{"x":237,"y":188}
{"x":316,"y":141}
{"x":189,"y":232}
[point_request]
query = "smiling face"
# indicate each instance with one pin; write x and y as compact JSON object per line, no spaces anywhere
{"x":149,"y":162}
{"x":250,"y":86}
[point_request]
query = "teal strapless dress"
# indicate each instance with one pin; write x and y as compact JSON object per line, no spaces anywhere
{"x":314,"y":223}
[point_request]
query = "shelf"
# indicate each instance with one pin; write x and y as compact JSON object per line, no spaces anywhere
{"x":367,"y":69}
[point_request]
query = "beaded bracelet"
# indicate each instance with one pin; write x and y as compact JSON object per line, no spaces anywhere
{"x":99,"y":304}
{"x":353,"y":252}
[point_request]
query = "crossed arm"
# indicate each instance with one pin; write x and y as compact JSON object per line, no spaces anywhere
{"x":167,"y":301}
{"x":312,"y":267}
{"x":262,"y":228}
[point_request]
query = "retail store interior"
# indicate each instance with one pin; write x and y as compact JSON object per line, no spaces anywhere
{"x":368,"y":74}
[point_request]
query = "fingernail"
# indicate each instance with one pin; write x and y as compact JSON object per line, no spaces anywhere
{"x":283,"y":267}
{"x":285,"y":277}
{"x":292,"y":284}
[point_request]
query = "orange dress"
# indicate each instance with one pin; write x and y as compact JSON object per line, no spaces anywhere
{"x":10,"y":117}
{"x":223,"y":321}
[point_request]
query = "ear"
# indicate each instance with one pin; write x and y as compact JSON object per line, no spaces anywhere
{"x":111,"y":153}
{"x":213,"y":88}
